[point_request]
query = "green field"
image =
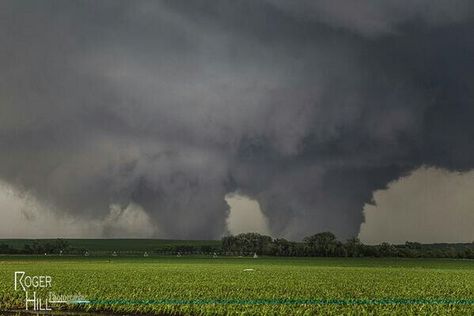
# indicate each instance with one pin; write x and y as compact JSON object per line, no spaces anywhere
{"x":210,"y":286}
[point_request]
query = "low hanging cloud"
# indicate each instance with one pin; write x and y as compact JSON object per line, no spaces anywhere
{"x":307,"y":108}
{"x":23,"y":216}
{"x":429,"y":205}
{"x":245,"y":216}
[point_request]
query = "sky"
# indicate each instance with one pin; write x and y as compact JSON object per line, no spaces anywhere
{"x":170,"y":118}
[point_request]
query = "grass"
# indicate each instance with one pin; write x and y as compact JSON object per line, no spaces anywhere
{"x":288,"y":286}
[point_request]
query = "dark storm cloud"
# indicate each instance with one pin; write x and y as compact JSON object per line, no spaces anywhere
{"x":374,"y":18}
{"x":308,"y":107}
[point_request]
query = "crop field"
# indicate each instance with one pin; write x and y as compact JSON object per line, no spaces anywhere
{"x":247,"y":286}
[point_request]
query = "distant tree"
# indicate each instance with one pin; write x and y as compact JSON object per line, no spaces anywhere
{"x":60,"y":245}
{"x":340,"y":250}
{"x":282,"y":247}
{"x":184,"y":249}
{"x":208,"y":249}
{"x":247,"y":243}
{"x":37,"y":248}
{"x":229,"y":244}
{"x":27,"y":249}
{"x":322,"y":244}
{"x":387,"y":250}
{"x":354,"y":247}
{"x":370,"y":251}
{"x":6,"y":249}
{"x":413,"y":245}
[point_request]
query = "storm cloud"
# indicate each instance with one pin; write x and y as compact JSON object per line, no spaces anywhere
{"x":307,"y":107}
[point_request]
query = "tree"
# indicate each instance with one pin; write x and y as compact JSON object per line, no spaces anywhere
{"x":229,"y":244}
{"x":282,"y":247}
{"x":413,"y":245}
{"x":60,"y":245}
{"x":322,"y":244}
{"x":354,"y":247}
{"x":387,"y":250}
{"x":248,"y":243}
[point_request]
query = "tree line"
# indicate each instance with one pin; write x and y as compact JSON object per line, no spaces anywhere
{"x":61,"y":246}
{"x":325,"y":244}
{"x":58,"y":246}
